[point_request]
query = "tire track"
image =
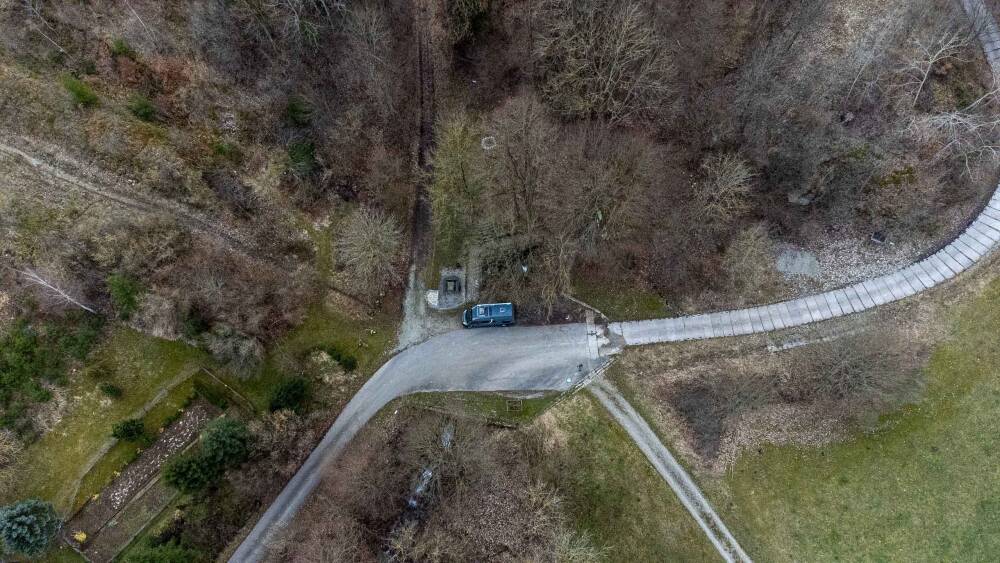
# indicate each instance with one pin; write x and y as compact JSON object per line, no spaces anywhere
{"x":143,"y":204}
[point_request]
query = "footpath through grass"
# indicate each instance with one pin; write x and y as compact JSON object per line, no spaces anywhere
{"x":614,"y":495}
{"x":924,"y":487}
{"x":141,"y":366}
{"x":53,"y":466}
{"x":494,"y":408}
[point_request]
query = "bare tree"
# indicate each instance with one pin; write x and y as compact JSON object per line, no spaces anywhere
{"x":50,"y":288}
{"x":369,"y":38}
{"x":725,"y":188}
{"x":602,"y":58}
{"x":34,"y":9}
{"x":947,"y":37}
{"x":968,"y":133}
{"x":370,"y":248}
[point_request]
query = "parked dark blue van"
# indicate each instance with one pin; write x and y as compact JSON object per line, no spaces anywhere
{"x":488,"y":314}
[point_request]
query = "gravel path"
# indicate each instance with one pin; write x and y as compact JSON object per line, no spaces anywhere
{"x":671,"y":471}
{"x":96,"y":514}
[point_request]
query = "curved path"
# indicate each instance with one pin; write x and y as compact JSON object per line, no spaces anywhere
{"x":561,"y":357}
{"x":549,"y":358}
{"x":978,"y":240}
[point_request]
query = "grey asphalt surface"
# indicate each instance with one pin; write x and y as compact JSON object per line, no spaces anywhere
{"x":671,"y":471}
{"x":549,"y":358}
{"x":557,"y":357}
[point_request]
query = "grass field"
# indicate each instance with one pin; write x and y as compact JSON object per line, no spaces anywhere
{"x":53,"y":466}
{"x":924,"y":487}
{"x":368,"y":340}
{"x":614,"y":495}
{"x":494,"y":408}
{"x":122,"y":453}
{"x":619,"y":302}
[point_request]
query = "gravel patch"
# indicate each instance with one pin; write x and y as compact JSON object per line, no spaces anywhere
{"x":96,"y":514}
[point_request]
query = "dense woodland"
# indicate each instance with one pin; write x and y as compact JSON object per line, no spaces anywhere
{"x":211,"y":172}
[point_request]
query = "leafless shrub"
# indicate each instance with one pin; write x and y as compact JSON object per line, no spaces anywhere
{"x":139,"y":248}
{"x":296,"y":22}
{"x":865,"y":373}
{"x":370,"y":247}
{"x":749,"y":264}
{"x":241,"y":352}
{"x":967,"y":134}
{"x":602,"y":58}
{"x":725,"y":187}
{"x":254,"y":298}
{"x":10,"y":453}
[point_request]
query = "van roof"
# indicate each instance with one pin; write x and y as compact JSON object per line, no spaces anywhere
{"x":492,"y":310}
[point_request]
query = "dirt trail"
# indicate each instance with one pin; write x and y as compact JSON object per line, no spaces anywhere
{"x":671,"y":471}
{"x":419,"y":322}
{"x":67,"y":172}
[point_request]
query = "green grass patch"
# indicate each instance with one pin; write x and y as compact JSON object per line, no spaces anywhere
{"x":142,"y":107}
{"x":302,"y":158}
{"x":298,"y":112}
{"x":81,"y":93}
{"x":120,"y":48}
{"x":227,"y":150}
{"x":61,"y":553}
{"x":620,"y":301}
{"x":125,"y":293}
{"x":155,"y":527}
{"x":33,"y":353}
{"x":495,"y":408}
{"x":612,"y":493}
{"x":924,"y":487}
{"x":367,"y":340}
{"x":123,"y":453}
{"x":51,"y":467}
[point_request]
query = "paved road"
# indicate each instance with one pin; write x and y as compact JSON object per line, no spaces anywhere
{"x":671,"y":471}
{"x":559,"y":357}
{"x":551,"y":358}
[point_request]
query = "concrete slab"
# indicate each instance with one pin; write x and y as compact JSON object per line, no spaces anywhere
{"x":852,"y":293}
{"x":866,"y":298}
{"x":771,"y":311}
{"x":755,"y":321}
{"x":931,"y":272}
{"x":986,"y":232}
{"x":900,"y":283}
{"x":831,"y":302}
{"x":958,"y":256}
{"x":844,"y":301}
{"x":942,"y":265}
{"x":918,"y":278}
{"x":971,"y":240}
{"x":878,"y":291}
{"x":948,"y":256}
